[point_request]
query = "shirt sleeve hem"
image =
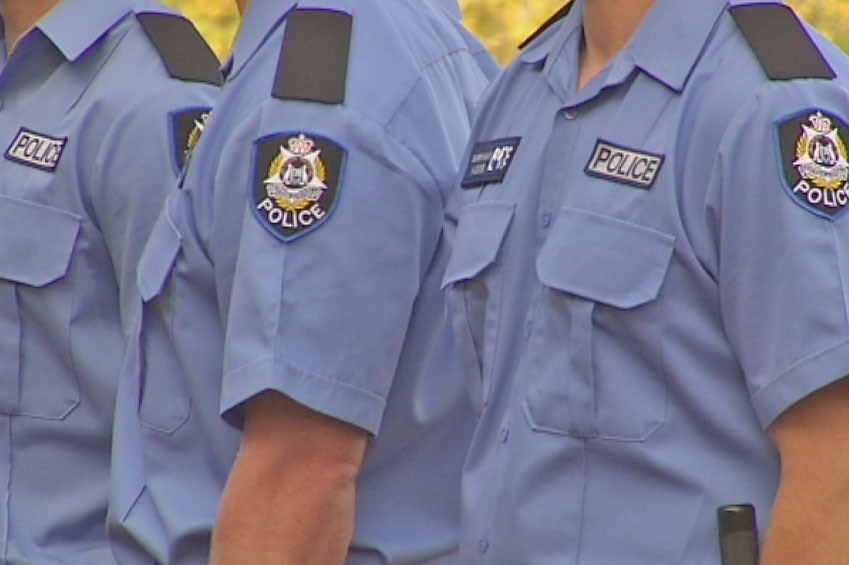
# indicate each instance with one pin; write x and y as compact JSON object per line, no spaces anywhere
{"x":801,"y":380}
{"x":333,"y":398}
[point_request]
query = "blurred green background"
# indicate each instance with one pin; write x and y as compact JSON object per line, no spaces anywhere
{"x":501,"y":24}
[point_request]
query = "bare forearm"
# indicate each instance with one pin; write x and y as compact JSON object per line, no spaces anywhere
{"x":810,"y":518}
{"x":298,"y":520}
{"x":291,"y":493}
{"x":808,"y":528}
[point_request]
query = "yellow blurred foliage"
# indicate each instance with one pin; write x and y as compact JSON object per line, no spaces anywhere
{"x":502,"y":24}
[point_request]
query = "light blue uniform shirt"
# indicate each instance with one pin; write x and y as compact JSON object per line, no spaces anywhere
{"x":642,"y":287}
{"x":86,"y":116}
{"x":346,"y":317}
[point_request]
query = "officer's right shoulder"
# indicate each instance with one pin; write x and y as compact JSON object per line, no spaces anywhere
{"x":184,"y":52}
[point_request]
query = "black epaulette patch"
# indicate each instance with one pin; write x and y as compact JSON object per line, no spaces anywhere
{"x":313,"y":63}
{"x":185,"y":53}
{"x":561,"y":13}
{"x":781,"y":44}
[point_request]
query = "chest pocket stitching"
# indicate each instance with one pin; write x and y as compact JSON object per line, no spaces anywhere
{"x":38,"y":244}
{"x":159,"y":255}
{"x":474,"y":298}
{"x":164,"y":404}
{"x":590,"y":262}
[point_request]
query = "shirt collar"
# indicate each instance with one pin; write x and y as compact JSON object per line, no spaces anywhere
{"x":666,"y":46}
{"x":75,"y":39}
{"x":551,"y":41}
{"x":671,"y":38}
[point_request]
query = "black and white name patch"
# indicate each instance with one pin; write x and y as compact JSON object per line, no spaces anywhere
{"x":296,"y":182}
{"x":624,"y":165}
{"x":36,"y":150}
{"x":490,"y":161}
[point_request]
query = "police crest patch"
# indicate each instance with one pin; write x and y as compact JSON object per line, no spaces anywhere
{"x":815,"y":162}
{"x":186,"y":128}
{"x":296,"y":182}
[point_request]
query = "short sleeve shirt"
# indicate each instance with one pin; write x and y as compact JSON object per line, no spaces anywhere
{"x":88,"y":133}
{"x":646,"y":273}
{"x":305,"y":244}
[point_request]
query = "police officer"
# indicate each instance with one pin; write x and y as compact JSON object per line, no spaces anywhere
{"x":305,"y":244}
{"x":649,"y":277}
{"x":98,"y":99}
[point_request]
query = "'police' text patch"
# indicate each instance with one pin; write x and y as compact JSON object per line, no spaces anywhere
{"x":626,"y":166}
{"x":36,"y":150}
{"x":490,"y":161}
{"x":296,"y":182}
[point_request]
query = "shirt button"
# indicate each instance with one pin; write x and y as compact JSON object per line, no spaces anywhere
{"x":570,"y":114}
{"x":545,"y":219}
{"x":505,"y":434}
{"x":483,"y":546}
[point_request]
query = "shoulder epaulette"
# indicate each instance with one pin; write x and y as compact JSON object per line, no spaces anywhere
{"x":559,"y":14}
{"x":781,"y":44}
{"x":313,"y":63}
{"x":185,"y":53}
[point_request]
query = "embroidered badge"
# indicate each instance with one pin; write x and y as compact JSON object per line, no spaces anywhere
{"x":37,"y":150}
{"x":623,"y":165}
{"x":490,"y":161}
{"x":296,"y":183}
{"x":187,"y":126}
{"x":815,"y":163}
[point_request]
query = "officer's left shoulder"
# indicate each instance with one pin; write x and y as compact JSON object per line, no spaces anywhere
{"x":184,"y":52}
{"x":781,"y":42}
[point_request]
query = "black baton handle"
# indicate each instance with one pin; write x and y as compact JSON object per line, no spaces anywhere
{"x":738,"y":534}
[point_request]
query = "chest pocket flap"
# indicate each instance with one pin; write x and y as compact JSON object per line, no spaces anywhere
{"x":36,"y":242}
{"x":156,"y":261}
{"x":478,"y":240}
{"x":605,"y":260}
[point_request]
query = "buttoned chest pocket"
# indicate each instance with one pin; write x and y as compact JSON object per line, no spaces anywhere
{"x":595,"y":359}
{"x":36,"y":246}
{"x":165,"y":402}
{"x":474,"y":281}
